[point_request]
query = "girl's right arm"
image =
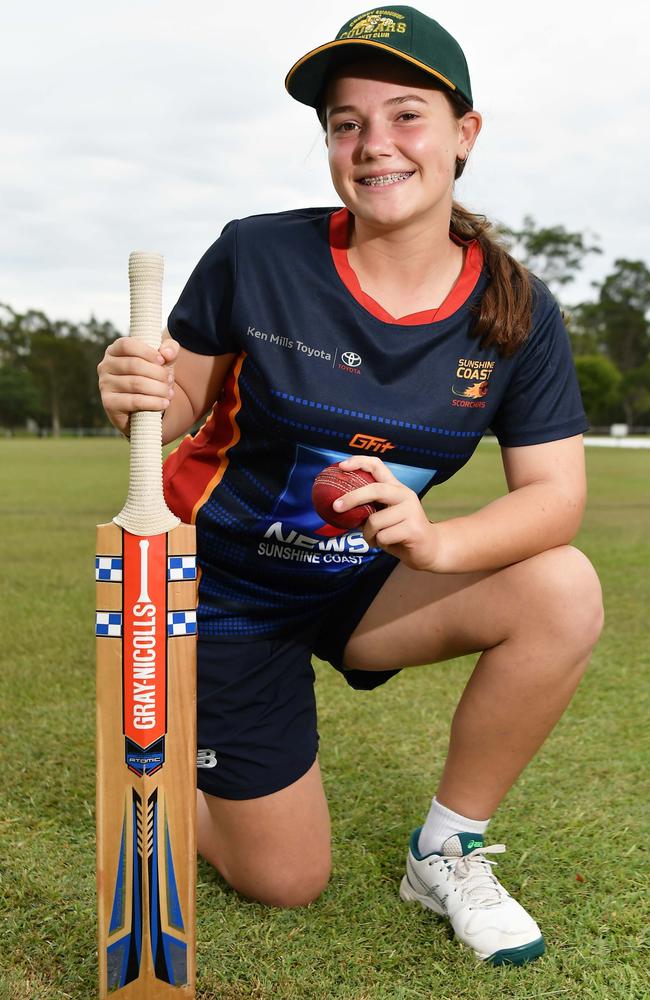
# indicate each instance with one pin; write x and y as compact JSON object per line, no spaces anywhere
{"x":184,"y":385}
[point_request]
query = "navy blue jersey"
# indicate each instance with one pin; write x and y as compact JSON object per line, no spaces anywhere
{"x":322,"y":372}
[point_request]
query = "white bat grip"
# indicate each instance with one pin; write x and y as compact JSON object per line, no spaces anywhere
{"x":145,"y":511}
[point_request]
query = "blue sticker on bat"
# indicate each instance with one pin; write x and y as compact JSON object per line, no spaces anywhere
{"x":124,"y":953}
{"x":109,"y":624}
{"x":108,"y":569}
{"x":181,"y":568}
{"x":146,"y":761}
{"x":169,"y":951}
{"x":181,"y":623}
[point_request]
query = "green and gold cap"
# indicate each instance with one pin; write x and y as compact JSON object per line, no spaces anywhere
{"x":399,"y":31}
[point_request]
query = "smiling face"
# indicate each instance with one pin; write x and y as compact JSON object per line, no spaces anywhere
{"x":393,"y":142}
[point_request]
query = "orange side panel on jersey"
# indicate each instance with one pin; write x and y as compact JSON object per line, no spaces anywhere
{"x":197,"y":466}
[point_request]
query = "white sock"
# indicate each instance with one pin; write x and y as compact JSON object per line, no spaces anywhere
{"x":442,"y":823}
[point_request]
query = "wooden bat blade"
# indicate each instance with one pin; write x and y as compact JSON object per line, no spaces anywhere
{"x":146,"y":762}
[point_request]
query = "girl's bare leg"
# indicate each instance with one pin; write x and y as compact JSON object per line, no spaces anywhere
{"x":274,"y":849}
{"x":535,"y":622}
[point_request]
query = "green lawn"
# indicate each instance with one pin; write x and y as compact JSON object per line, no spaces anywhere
{"x":581,"y":808}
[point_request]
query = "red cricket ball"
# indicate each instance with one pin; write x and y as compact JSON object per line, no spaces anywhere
{"x":332,"y":483}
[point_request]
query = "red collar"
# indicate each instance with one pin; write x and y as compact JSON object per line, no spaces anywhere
{"x":462,"y":289}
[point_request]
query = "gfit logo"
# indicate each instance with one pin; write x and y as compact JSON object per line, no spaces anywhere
{"x":366,"y":442}
{"x":144,"y":649}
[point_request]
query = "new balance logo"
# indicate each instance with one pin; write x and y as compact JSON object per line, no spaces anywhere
{"x":206,"y":758}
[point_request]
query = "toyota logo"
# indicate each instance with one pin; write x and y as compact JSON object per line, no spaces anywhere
{"x":351,"y":359}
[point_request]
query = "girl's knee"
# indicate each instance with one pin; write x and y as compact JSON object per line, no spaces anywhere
{"x":566,"y":589}
{"x":286,"y":888}
{"x":274,"y":849}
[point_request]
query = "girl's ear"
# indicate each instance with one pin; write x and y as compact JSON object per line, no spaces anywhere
{"x":469,"y":127}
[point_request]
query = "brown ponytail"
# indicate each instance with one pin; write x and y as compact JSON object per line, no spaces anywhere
{"x":505,"y":312}
{"x":504,"y":317}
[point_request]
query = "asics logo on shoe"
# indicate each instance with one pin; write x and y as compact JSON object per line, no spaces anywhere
{"x":436,"y":895}
{"x":472,"y":844}
{"x":427,"y":890}
{"x":206,"y":758}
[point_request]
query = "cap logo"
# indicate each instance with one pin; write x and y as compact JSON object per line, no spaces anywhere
{"x":375,"y":24}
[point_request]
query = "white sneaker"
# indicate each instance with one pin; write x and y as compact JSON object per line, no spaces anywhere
{"x":458,"y":883}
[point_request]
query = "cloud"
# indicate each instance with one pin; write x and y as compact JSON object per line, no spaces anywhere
{"x":151,"y":125}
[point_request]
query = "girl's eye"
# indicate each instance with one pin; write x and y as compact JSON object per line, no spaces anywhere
{"x":408,"y":116}
{"x":346,"y":127}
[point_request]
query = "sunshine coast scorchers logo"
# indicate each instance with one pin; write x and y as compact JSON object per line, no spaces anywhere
{"x":472,"y":382}
{"x":376,"y":24}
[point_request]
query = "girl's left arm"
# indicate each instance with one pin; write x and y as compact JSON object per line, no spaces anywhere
{"x":543,"y":509}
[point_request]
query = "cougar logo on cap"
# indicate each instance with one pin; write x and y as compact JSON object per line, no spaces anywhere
{"x":376,"y":24}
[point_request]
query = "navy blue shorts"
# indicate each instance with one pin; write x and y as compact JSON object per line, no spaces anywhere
{"x":256,"y":704}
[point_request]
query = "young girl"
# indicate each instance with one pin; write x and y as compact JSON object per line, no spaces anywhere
{"x":387,"y":335}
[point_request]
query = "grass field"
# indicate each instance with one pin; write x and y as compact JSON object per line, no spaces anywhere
{"x":576,"y":824}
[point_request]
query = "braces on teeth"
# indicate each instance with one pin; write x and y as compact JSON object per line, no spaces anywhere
{"x":386,"y":179}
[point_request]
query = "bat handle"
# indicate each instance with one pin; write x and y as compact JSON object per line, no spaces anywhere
{"x":145,"y":511}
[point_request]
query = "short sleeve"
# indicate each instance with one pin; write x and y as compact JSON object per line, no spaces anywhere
{"x":201,"y":319}
{"x":542,"y":401}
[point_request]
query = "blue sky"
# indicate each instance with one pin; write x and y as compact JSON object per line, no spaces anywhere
{"x":148,"y":125}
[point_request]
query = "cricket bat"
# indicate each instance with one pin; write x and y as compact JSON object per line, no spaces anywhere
{"x":146,"y":714}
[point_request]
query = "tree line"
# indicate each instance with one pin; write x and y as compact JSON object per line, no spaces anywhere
{"x":610,"y":335}
{"x":48,"y":376}
{"x":48,"y":371}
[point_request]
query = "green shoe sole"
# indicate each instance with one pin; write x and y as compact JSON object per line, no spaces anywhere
{"x":518,"y":956}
